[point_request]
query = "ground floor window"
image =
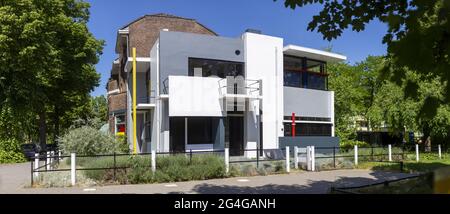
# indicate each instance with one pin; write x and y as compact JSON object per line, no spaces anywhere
{"x":308,"y":129}
{"x":200,"y":130}
{"x":120,"y":124}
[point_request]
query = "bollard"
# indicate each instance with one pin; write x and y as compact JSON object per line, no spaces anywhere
{"x":296,"y":157}
{"x":313,"y":159}
{"x":72,"y":168}
{"x":417,"y":152}
{"x":439,"y":151}
{"x":356,"y":155}
{"x":288,"y":164}
{"x":153,"y":161}
{"x":36,"y":164}
{"x":390,"y":152}
{"x":227,"y":160}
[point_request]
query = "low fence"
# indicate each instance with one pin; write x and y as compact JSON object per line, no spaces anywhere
{"x":310,"y":158}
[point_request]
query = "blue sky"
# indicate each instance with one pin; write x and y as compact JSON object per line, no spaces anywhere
{"x":230,"y":18}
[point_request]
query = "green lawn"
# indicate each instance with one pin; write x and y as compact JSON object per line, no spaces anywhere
{"x":427,"y":163}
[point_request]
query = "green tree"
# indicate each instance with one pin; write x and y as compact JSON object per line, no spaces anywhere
{"x":418,"y":35}
{"x":47,"y":58}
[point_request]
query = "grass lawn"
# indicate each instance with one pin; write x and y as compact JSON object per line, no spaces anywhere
{"x":419,"y":185}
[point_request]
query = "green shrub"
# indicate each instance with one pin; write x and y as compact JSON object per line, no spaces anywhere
{"x":10,"y":151}
{"x":169,"y":168}
{"x":90,"y":141}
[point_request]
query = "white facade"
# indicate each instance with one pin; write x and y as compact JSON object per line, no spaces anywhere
{"x":181,"y":98}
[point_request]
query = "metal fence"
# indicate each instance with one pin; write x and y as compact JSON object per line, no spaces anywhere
{"x":309,"y":158}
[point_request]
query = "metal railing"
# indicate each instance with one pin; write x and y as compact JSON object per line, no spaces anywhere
{"x":232,"y":85}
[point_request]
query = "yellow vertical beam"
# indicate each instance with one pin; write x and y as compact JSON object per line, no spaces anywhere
{"x":134,"y":102}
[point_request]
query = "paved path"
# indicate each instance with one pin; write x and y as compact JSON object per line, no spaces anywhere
{"x":14,"y":176}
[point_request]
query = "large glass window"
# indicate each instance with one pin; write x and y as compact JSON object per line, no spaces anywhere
{"x":308,"y":129}
{"x":304,"y":73}
{"x":200,"y":130}
{"x":215,"y":68}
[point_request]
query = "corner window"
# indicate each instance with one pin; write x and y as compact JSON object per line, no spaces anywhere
{"x":302,"y":72}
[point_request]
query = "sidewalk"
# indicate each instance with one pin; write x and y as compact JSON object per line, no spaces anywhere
{"x":13,"y":178}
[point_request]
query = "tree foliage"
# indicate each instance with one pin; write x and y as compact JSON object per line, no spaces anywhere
{"x":47,"y":58}
{"x":418,"y":37}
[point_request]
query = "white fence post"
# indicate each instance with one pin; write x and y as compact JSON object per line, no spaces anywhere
{"x":390,"y":152}
{"x":439,"y":151}
{"x":153,"y":161}
{"x":313,"y":158}
{"x":296,"y":157}
{"x":288,"y":164}
{"x":308,"y":158}
{"x":417,"y":152}
{"x":36,"y":164}
{"x":72,"y":168}
{"x":356,"y":155}
{"x":227,"y":160}
{"x":52,"y":158}
{"x":47,"y":163}
{"x":59,"y":155}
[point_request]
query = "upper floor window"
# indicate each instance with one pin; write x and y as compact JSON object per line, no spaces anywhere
{"x":305,"y":73}
{"x":215,"y":68}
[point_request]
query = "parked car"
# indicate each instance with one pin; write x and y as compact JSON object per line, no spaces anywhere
{"x":29,"y":150}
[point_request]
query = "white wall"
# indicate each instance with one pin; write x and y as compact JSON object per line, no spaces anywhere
{"x":194,"y":96}
{"x":308,"y":102}
{"x":264,"y":60}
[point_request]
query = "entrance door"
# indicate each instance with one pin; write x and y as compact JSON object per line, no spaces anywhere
{"x":236,"y":135}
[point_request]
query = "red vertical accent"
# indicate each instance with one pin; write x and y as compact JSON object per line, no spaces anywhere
{"x":293,"y":124}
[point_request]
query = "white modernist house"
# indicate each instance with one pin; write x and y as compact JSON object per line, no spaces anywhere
{"x":210,"y":93}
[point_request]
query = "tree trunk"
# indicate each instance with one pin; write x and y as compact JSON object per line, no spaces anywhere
{"x":42,"y":130}
{"x":56,"y":124}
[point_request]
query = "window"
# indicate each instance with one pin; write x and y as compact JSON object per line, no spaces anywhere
{"x":308,"y":129}
{"x":215,"y":68}
{"x":200,"y":130}
{"x":302,"y":72}
{"x":120,"y":123}
{"x":293,"y":79}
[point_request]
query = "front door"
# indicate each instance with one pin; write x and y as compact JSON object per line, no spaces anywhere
{"x":236,"y":135}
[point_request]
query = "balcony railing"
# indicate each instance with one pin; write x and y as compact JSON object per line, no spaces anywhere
{"x":146,"y":99}
{"x":240,"y":86}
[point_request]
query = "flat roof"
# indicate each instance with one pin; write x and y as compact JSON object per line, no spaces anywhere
{"x":294,"y":50}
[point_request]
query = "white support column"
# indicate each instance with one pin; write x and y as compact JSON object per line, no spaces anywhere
{"x":288,"y":164}
{"x":356,"y":155}
{"x":313,"y":158}
{"x":47,"y":163}
{"x":36,"y":164}
{"x":308,"y":158}
{"x":73,"y":169}
{"x":439,"y":151}
{"x":227,"y":160}
{"x":417,"y":152}
{"x":296,"y":157}
{"x":390,"y":152}
{"x":153,"y":161}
